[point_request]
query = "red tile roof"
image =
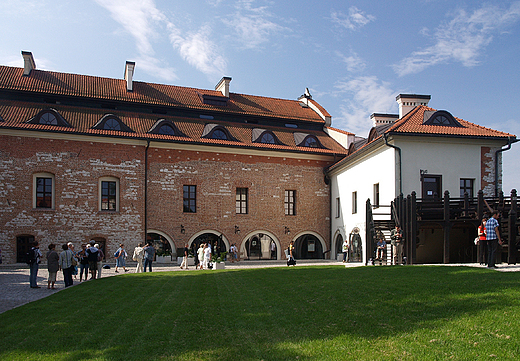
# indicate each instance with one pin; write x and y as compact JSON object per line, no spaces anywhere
{"x":64,"y":84}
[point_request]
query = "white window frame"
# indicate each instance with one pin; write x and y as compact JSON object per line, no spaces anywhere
{"x":53,"y":197}
{"x":108,"y":179}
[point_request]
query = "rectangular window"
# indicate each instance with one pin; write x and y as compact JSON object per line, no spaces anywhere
{"x":189,"y":199}
{"x":43,"y":192}
{"x":241,"y":201}
{"x":466,"y":186}
{"x":376,"y":195}
{"x":108,"y":196}
{"x":354,"y":202}
{"x":290,"y":202}
{"x":338,"y":208}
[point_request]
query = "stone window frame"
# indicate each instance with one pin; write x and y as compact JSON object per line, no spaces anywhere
{"x":242,"y":200}
{"x":100,"y":194}
{"x":44,"y":175}
{"x":290,"y":202}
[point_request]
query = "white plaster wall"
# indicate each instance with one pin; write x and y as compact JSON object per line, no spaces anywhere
{"x":377,"y":167}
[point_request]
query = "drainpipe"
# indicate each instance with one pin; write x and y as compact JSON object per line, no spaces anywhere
{"x":146,"y":190}
{"x":385,"y":135}
{"x":509,"y":143}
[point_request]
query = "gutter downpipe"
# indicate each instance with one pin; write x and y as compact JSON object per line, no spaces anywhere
{"x":509,"y":143}
{"x":400,"y":168}
{"x":146,"y":190}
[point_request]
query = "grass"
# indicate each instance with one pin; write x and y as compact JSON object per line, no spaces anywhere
{"x":305,"y":313}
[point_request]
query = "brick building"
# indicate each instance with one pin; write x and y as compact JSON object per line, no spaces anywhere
{"x":121,"y":161}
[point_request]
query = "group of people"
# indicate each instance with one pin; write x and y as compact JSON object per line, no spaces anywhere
{"x":202,"y":256}
{"x":89,"y":259}
{"x":142,"y":255}
{"x":488,"y":240}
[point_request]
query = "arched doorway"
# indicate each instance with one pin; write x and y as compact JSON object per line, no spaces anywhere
{"x":23,"y":245}
{"x":339,"y":245}
{"x":217,"y":241}
{"x":308,"y":246}
{"x":260,"y":245}
{"x":162,"y":244}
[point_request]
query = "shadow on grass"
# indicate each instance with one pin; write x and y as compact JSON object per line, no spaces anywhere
{"x":265,"y":314}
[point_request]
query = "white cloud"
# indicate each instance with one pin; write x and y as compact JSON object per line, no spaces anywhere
{"x":252,"y":24}
{"x":355,"y":19}
{"x":363,"y":96}
{"x":199,"y":51}
{"x":353,"y":61}
{"x":462,"y":39}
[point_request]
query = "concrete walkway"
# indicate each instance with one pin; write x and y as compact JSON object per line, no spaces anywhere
{"x":15,"y":290}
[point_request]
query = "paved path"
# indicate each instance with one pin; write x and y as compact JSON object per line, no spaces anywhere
{"x":15,"y":290}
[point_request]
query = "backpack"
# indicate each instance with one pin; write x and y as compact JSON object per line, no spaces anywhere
{"x":30,"y":257}
{"x":92,"y":256}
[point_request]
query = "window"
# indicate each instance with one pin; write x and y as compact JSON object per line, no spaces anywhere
{"x":241,"y":201}
{"x":189,"y":199}
{"x":376,"y":195}
{"x":48,"y":118}
{"x":267,"y":138}
{"x":311,"y":142}
{"x":290,"y":202}
{"x":219,"y":134}
{"x":354,"y":202}
{"x":112,"y":124}
{"x":166,"y":129}
{"x":466,"y":186}
{"x":338,"y":208}
{"x":108,"y":194}
{"x":43,"y":184}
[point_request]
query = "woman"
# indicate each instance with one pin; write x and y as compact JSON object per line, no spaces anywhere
{"x":120,"y":256}
{"x":138,"y":257}
{"x":482,"y":243}
{"x":291,"y":261}
{"x":53,"y":265}
{"x":200,"y":255}
{"x":83,"y":262}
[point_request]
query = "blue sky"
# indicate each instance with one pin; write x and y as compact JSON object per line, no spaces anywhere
{"x":354,"y":56}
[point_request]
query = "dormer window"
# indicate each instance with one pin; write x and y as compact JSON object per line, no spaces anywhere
{"x":311,"y":142}
{"x":113,"y":123}
{"x":216,"y":131}
{"x":166,"y":127}
{"x":218,"y":134}
{"x":306,"y":140}
{"x":49,"y":117}
{"x":267,"y":138}
{"x":440,"y":117}
{"x":264,"y":136}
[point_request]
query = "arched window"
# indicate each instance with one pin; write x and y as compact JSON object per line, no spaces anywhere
{"x":267,"y":138}
{"x":218,"y":134}
{"x":166,"y":129}
{"x":440,"y":117}
{"x":112,"y":124}
{"x":48,"y":118}
{"x":311,"y":142}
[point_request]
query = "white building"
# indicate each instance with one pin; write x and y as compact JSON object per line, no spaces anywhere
{"x":421,"y":150}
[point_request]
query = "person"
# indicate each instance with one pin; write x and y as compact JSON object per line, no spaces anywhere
{"x":492,"y":236}
{"x":149,"y":253}
{"x":120,"y":256}
{"x":200,"y":254}
{"x":291,"y":261}
{"x":53,"y":265}
{"x":92,"y":253}
{"x":381,"y":247}
{"x":273,"y":250}
{"x":207,"y":256}
{"x":101,"y":256}
{"x":482,"y":242}
{"x":70,"y":245}
{"x":34,"y":265}
{"x":345,"y":249}
{"x":83,"y":262}
{"x":138,"y":257}
{"x":185,"y":258}
{"x":65,"y":263}
{"x":396,"y":236}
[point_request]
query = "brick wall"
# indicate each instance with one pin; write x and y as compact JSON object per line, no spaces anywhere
{"x":78,"y":165}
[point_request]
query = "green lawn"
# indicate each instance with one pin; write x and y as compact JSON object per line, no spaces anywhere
{"x":300,"y":313}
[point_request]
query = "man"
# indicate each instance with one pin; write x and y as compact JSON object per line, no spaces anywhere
{"x":345,"y":251}
{"x":185,"y":258}
{"x":149,"y":253}
{"x":492,"y":236}
{"x":92,"y":254}
{"x":381,"y":246}
{"x":101,"y":256}
{"x":66,"y":266}
{"x":34,"y":265}
{"x":396,"y":236}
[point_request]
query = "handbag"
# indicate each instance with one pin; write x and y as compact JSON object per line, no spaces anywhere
{"x":74,"y":262}
{"x":477,"y":241}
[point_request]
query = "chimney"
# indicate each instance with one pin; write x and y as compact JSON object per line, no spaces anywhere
{"x":223,"y":86}
{"x":380,"y":118}
{"x":129,"y":75}
{"x":409,"y":101}
{"x":28,"y":63}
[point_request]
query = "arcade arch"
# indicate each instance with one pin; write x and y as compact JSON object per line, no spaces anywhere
{"x":258,"y":245}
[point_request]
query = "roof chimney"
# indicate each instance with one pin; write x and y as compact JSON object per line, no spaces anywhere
{"x":409,"y":101}
{"x":129,"y":74}
{"x":223,"y":86}
{"x":28,"y":63}
{"x":380,"y":118}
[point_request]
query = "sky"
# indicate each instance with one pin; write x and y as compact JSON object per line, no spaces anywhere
{"x":354,"y":56}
